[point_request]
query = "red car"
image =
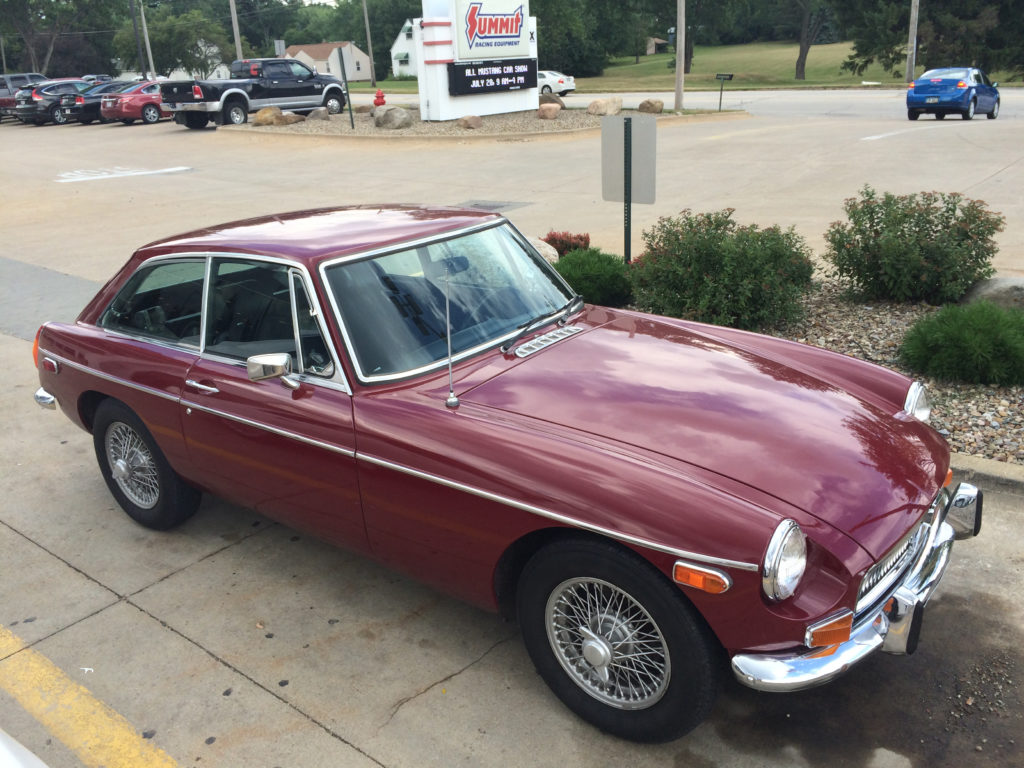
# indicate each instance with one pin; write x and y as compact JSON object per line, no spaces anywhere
{"x":139,"y":102}
{"x":647,"y":496}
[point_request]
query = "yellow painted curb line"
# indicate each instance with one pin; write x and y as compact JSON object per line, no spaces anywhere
{"x":97,"y":734}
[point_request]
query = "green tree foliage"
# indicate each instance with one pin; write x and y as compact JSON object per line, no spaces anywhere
{"x":46,"y":29}
{"x":190,"y":41}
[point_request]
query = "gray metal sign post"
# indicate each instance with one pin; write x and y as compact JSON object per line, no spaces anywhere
{"x":628,"y":165}
{"x":722,"y":77}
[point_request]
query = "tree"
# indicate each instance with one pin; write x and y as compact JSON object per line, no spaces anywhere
{"x":43,"y":25}
{"x":813,"y":15}
{"x":190,"y":41}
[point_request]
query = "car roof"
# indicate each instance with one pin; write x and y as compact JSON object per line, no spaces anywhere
{"x":311,"y":236}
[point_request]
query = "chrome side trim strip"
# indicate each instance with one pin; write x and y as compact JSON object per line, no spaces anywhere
{"x":114,"y":379}
{"x":546,"y":513}
{"x":267,"y":428}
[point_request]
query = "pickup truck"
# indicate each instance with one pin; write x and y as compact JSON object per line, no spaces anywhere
{"x":254,"y":84}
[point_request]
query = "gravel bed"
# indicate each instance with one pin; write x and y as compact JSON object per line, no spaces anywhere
{"x":977,"y":420}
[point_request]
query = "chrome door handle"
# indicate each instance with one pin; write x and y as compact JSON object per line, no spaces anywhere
{"x":201,"y":387}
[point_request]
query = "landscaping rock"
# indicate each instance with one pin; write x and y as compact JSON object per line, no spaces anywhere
{"x":320,"y":113}
{"x":552,"y":98}
{"x":362,"y":109}
{"x":652,"y":106}
{"x":267,"y":116}
{"x":548,"y":111}
{"x":610,"y":106}
{"x":289,"y":118}
{"x":470,"y":122}
{"x":1007,"y":292}
{"x":394,"y":118}
{"x":545,"y":249}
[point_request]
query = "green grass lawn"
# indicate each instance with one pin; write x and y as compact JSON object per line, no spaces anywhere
{"x":756,"y":65}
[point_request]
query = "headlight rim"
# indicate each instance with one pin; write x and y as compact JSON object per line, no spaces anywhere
{"x":773,"y":589}
{"x":917,"y":403}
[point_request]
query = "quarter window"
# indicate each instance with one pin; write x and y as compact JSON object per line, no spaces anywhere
{"x":163,"y":301}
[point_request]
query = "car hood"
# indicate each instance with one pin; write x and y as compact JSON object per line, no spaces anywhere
{"x":850,"y":460}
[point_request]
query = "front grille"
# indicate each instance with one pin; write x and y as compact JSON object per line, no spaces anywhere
{"x":884,"y":573}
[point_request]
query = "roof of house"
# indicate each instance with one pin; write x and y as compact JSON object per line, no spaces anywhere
{"x":316,"y":51}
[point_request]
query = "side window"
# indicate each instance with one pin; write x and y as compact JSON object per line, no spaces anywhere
{"x":161,"y":300}
{"x":249,"y":310}
{"x":298,"y":70}
{"x":314,"y":355}
{"x":276,"y":69}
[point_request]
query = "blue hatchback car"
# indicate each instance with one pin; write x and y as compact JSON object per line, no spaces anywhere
{"x":955,"y":90}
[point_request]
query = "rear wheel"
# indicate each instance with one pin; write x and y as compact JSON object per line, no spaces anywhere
{"x":235,"y":113}
{"x":968,"y":113}
{"x":616,"y":642}
{"x":995,"y":111}
{"x":136,"y":471}
{"x":196,"y":120}
{"x":58,"y":116}
{"x":150,"y":114}
{"x":546,"y":89}
{"x":913,"y":114}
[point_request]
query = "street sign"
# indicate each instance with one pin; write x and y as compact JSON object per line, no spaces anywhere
{"x":628,"y":155}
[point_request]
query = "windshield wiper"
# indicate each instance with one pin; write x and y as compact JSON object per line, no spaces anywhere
{"x":562,"y":313}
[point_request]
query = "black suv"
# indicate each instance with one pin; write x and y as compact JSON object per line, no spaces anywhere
{"x":40,"y":102}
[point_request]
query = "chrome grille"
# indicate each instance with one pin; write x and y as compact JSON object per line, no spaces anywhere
{"x":885,"y":572}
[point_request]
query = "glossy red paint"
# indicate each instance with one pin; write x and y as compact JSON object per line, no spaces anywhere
{"x":668,"y":437}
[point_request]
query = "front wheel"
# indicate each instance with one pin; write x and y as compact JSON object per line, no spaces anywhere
{"x":616,"y":642}
{"x":968,"y":113}
{"x":136,"y":471}
{"x":333,"y":103}
{"x":150,"y":114}
{"x":995,"y":111}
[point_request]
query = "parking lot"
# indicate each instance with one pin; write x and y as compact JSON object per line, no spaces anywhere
{"x":235,"y":641}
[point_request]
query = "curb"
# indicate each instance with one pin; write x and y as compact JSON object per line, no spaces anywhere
{"x":988,"y":474}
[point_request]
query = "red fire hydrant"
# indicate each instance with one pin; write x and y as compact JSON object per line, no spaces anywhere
{"x":379,"y":98}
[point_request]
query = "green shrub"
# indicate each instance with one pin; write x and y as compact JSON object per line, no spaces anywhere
{"x":600,"y":277}
{"x":977,"y":343}
{"x":563,"y":242}
{"x":704,"y":267}
{"x":925,"y":247}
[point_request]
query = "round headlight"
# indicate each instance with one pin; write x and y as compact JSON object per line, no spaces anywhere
{"x":917,"y":404}
{"x":784,"y":561}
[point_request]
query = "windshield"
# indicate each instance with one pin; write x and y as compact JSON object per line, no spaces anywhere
{"x":392,"y":306}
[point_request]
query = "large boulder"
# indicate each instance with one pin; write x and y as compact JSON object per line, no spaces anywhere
{"x":651,"y":106}
{"x":548,"y":111}
{"x":393,"y":118}
{"x":552,"y":98}
{"x":545,"y":249}
{"x":1007,"y":292}
{"x":320,"y":113}
{"x":266,"y":116}
{"x":610,"y":106}
{"x":288,"y":118}
{"x":470,"y":122}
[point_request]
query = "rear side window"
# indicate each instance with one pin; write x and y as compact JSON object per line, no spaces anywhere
{"x":162,"y":301}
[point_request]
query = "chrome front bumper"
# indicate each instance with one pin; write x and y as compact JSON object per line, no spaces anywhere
{"x":892,"y":627}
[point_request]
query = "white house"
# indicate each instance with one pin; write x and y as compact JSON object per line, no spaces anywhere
{"x":327,"y":57}
{"x":403,"y":53}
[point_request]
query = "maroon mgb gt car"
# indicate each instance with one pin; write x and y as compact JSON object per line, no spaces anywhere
{"x":652,"y":499}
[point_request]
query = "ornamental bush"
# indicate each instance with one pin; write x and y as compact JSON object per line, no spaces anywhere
{"x":702,"y":266}
{"x":601,"y":277}
{"x":563,"y":242}
{"x":923,"y":247}
{"x":979,"y":343}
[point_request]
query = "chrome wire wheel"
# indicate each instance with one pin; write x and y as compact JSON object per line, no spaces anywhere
{"x":608,"y":643}
{"x":132,"y":465}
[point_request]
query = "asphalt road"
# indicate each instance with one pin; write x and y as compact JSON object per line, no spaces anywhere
{"x":237,"y":642}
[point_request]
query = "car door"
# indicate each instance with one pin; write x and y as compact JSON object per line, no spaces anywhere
{"x":285,"y":445}
{"x":279,"y":84}
{"x":307,"y":91}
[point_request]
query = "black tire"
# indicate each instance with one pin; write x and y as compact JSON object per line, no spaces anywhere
{"x":85,"y":120}
{"x":235,"y":113}
{"x":968,"y":114}
{"x":546,"y":89}
{"x":196,"y":120}
{"x":913,"y":114}
{"x":995,"y":111}
{"x":940,"y":115}
{"x":136,"y":471}
{"x":623,"y":598}
{"x":150,"y":114}
{"x":334,"y":103}
{"x":57,"y":116}
{"x":128,"y":120}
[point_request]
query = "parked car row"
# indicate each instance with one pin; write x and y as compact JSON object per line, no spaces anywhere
{"x":85,"y":101}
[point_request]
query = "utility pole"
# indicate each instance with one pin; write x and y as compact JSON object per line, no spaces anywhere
{"x":145,"y":36}
{"x":369,"y":45}
{"x":234,"y":28}
{"x":912,"y":41}
{"x":138,"y":42}
{"x":681,"y":51}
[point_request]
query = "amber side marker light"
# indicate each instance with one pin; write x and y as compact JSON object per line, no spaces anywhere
{"x":35,"y":349}
{"x":705,"y":579}
{"x":949,"y":478}
{"x":831,"y":632}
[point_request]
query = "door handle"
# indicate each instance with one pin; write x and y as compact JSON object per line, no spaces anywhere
{"x":201,"y":387}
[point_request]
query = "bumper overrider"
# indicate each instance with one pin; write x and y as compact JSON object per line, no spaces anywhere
{"x":891,"y":622}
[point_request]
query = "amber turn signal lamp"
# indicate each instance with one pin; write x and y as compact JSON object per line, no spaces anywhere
{"x":705,"y":579}
{"x":831,"y":632}
{"x":949,"y":478}
{"x":35,"y":349}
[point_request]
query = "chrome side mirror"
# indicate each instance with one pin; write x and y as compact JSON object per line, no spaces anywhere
{"x":277,"y":365}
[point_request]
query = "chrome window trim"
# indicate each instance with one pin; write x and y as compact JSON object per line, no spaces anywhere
{"x":558,"y":517}
{"x":412,"y":245}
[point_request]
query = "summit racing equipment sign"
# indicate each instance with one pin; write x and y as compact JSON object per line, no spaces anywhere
{"x":488,"y":29}
{"x":491,"y":76}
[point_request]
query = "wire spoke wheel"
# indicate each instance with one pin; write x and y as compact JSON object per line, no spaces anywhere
{"x":608,"y":643}
{"x":132,"y":465}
